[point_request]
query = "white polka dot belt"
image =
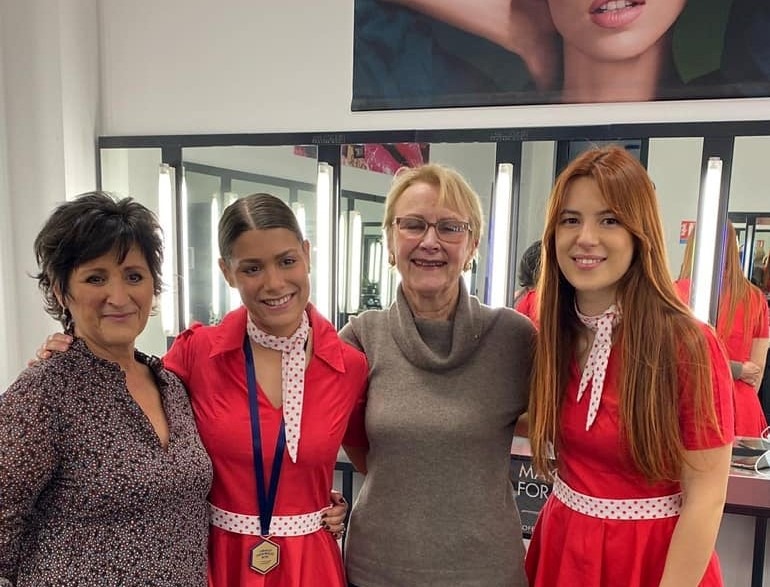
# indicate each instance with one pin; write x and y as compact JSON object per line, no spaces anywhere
{"x":646,"y":508}
{"x":298,"y":525}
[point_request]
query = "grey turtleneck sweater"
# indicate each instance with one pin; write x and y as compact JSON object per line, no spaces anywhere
{"x":436,"y":508}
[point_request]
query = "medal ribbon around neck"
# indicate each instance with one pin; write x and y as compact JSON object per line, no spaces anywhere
{"x":598,"y":357}
{"x":292,"y":375}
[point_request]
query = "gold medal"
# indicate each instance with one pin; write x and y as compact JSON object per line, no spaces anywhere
{"x":265,"y":556}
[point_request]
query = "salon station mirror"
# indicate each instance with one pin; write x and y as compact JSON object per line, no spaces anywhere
{"x":336,"y":183}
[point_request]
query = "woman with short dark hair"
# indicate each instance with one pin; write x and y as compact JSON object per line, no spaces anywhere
{"x":103,"y":476}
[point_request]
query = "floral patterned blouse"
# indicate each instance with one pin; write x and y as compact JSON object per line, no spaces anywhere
{"x":88,"y":495}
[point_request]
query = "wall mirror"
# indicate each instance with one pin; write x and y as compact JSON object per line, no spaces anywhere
{"x":211,"y":170}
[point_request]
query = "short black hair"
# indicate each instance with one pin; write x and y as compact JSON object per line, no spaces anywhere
{"x":92,"y":225}
{"x":529,"y":265}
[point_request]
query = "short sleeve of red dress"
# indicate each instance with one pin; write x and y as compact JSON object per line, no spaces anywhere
{"x":694,"y":435}
{"x":527,"y":305}
{"x":762,"y":323}
{"x":178,"y":359}
{"x":355,"y":434}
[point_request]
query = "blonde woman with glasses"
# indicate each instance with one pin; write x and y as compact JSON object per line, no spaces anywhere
{"x":448,"y":379}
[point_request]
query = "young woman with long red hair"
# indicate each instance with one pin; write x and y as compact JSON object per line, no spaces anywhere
{"x":743,"y":326}
{"x":631,"y":395}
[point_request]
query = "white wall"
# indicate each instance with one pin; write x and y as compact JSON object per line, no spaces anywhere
{"x":50,"y":98}
{"x":9,"y":325}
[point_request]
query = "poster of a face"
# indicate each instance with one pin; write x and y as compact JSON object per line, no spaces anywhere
{"x":448,"y":53}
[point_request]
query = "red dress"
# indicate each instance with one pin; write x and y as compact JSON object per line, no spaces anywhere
{"x":569,"y":548}
{"x":527,"y":305}
{"x":749,"y":416}
{"x":211,"y":363}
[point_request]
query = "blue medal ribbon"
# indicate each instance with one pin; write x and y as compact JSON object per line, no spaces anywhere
{"x":265,"y":496}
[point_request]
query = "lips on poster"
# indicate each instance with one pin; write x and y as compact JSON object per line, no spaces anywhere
{"x":444,"y":53}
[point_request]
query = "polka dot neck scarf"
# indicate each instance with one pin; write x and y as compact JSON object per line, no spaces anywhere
{"x":292,"y":375}
{"x":598,"y":357}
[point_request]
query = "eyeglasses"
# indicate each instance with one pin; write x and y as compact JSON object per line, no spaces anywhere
{"x":450,"y":231}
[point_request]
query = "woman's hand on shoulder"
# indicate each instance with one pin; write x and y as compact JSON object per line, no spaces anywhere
{"x":58,"y":342}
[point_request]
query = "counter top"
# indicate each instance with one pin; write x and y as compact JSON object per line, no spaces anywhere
{"x":745,"y":488}
{"x":748,"y":489}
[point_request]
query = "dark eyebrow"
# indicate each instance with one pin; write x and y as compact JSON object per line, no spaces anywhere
{"x":576,"y":213}
{"x":280,"y":255}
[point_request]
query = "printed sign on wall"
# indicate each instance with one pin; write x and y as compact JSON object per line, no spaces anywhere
{"x":530,"y":491}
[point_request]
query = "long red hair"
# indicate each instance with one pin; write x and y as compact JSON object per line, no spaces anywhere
{"x":657,"y":332}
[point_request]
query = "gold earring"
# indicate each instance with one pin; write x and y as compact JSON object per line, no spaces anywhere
{"x":391,"y":259}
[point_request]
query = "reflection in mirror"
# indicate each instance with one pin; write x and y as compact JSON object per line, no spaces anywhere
{"x":753,"y":232}
{"x":749,"y":206}
{"x":217,"y":176}
{"x":366,"y":280}
{"x":134,"y":172}
{"x":538,"y":170}
{"x":365,"y":177}
{"x":476,"y":163}
{"x":749,"y":210}
{"x":673,"y":164}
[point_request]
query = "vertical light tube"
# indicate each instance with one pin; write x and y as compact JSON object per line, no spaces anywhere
{"x":386,"y":275}
{"x":467,"y":277}
{"x":187,"y":263}
{"x":168,"y":299}
{"x":233,"y":296}
{"x":500,"y":234}
{"x":748,"y":252}
{"x":354,"y":270}
{"x":299,"y":211}
{"x":215,"y":307}
{"x":324,"y":195}
{"x":373,"y":263}
{"x":706,"y":241}
{"x":342,"y":250}
{"x":377,"y":259}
